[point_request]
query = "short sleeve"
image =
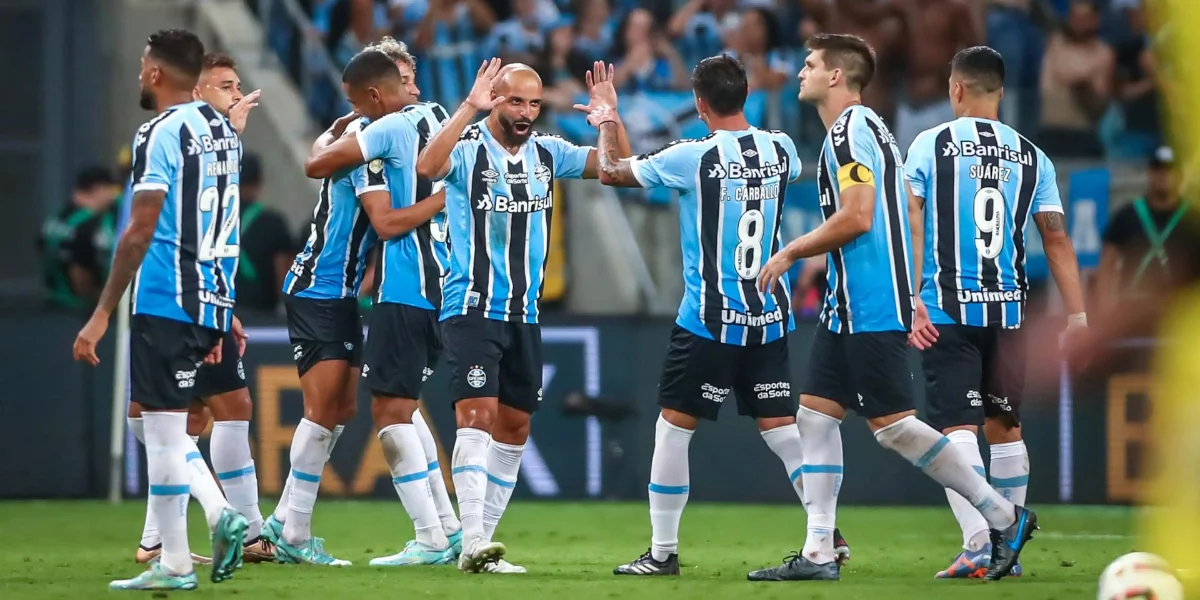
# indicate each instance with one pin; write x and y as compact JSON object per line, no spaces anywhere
{"x":795,"y":166}
{"x":371,"y":177}
{"x":918,"y":165}
{"x":1045,"y":197}
{"x":673,"y":166}
{"x":388,"y":135}
{"x":570,"y":160}
{"x":458,"y":163}
{"x":855,"y":149}
{"x":156,"y":158}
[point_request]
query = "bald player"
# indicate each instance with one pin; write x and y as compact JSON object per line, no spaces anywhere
{"x":499,"y":177}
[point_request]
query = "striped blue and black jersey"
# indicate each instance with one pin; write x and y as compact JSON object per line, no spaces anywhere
{"x":334,"y":258}
{"x":981,"y":181}
{"x":498,"y":208}
{"x":732,"y":185}
{"x":412,"y":265}
{"x":870,"y":288}
{"x":192,"y":153}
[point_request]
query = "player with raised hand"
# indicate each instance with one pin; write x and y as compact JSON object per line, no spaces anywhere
{"x":974,"y":184}
{"x":859,"y":358}
{"x":182,"y":245}
{"x":499,"y":177}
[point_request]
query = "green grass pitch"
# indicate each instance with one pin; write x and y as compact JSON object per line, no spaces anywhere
{"x":72,"y":550}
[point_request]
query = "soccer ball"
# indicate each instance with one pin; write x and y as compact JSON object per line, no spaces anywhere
{"x":1139,"y":575}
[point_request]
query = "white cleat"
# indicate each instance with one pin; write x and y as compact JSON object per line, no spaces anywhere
{"x":478,"y":553}
{"x":503,"y":567}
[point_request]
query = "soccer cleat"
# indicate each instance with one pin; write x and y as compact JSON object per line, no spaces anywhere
{"x":455,"y":540}
{"x":1007,"y":544}
{"x":477,"y":553}
{"x":416,"y":553}
{"x":310,"y":552}
{"x":156,"y":578}
{"x":646,"y":565}
{"x":503,"y":567}
{"x":796,"y":567}
{"x":968,"y":565}
{"x":272,"y":530}
{"x":841,"y":548}
{"x":258,"y":550}
{"x":145,"y":555}
{"x":1016,"y":570}
{"x":227,"y":541}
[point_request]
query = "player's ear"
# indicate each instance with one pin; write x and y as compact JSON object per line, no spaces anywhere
{"x":836,"y":76}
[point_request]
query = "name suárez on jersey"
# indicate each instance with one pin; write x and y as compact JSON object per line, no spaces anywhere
{"x":733,"y":170}
{"x":969,"y":149}
{"x":982,"y":296}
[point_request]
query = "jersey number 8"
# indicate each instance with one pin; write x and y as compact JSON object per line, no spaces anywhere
{"x":216,"y":243}
{"x":989,"y":219}
{"x":747,"y":255}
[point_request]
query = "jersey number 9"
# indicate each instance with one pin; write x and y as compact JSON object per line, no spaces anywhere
{"x":747,"y":255}
{"x":989,"y":220}
{"x":216,"y":242}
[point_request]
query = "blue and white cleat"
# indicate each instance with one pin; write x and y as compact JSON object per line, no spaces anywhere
{"x":227,"y":540}
{"x":416,"y":553}
{"x":156,"y":578}
{"x":1008,"y":544}
{"x":272,"y":530}
{"x":968,"y":565}
{"x":455,"y":540}
{"x":311,"y":552}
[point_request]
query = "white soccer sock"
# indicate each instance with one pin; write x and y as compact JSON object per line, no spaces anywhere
{"x":1010,"y":471}
{"x":974,"y":526}
{"x":504,"y":464}
{"x":924,"y":447}
{"x":150,"y":538}
{"x":195,"y":439}
{"x":786,"y":444}
{"x":410,"y":477}
{"x":333,"y":438}
{"x":166,"y":446}
{"x":309,"y":453}
{"x":821,"y":441}
{"x":230,"y":448}
{"x":437,"y":483}
{"x":469,"y":469}
{"x":669,"y":482}
{"x":281,"y":510}
{"x":204,"y":487}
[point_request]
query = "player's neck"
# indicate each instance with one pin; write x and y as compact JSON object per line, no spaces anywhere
{"x":980,"y":110}
{"x":168,"y":99}
{"x":736,"y":122}
{"x":835,"y":105}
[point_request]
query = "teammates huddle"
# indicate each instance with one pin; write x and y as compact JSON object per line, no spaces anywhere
{"x":926,"y":253}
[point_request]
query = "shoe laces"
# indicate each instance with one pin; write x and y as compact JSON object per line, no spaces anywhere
{"x":793,"y":558}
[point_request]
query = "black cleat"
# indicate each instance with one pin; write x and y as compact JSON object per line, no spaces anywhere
{"x":840,"y":548}
{"x":646,"y":565}
{"x":796,"y":567}
{"x":1007,"y":544}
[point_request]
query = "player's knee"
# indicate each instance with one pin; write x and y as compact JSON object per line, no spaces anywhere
{"x":197,"y":419}
{"x":1002,"y":429}
{"x":476,"y":413}
{"x":347,"y":411}
{"x":232,"y":406}
{"x":512,"y":426}
{"x":679,"y":419}
{"x":135,"y":411}
{"x":389,"y":410}
{"x":775,"y":423}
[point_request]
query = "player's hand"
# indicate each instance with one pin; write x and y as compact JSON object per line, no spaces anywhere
{"x":1075,"y":342}
{"x":482,"y":97}
{"x":214,"y":356}
{"x":923,"y":334}
{"x":239,"y":334}
{"x":339,"y":126}
{"x":240,"y":111}
{"x":601,"y":92}
{"x":773,"y":271}
{"x":88,"y":337}
{"x":602,"y":115}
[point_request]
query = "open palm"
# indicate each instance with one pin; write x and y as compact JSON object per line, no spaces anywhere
{"x":601,"y":93}
{"x":481,"y":97}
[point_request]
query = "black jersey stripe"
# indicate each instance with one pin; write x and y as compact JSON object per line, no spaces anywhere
{"x":318,"y":233}
{"x":481,"y":256}
{"x":836,"y":295}
{"x":709,"y":214}
{"x":896,"y":206}
{"x":518,"y":240}
{"x":354,"y":249}
{"x":141,"y":146}
{"x":945,"y":206}
{"x":752,"y":158}
{"x":189,"y":226}
{"x":779,"y":293}
{"x":218,"y":131}
{"x":425,"y":245}
{"x":546,"y":159}
{"x":989,"y":271}
{"x":1029,"y":184}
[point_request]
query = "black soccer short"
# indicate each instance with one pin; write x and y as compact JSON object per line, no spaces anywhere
{"x":972,"y":373}
{"x":323,"y":330}
{"x":164,"y":359}
{"x":402,"y":348}
{"x":698,"y":375}
{"x":487,"y":358}
{"x":224,"y":377}
{"x":864,"y":372}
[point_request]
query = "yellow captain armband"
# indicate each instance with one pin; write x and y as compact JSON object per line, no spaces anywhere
{"x":852,"y":174}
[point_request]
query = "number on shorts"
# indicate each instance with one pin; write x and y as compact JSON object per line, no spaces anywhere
{"x":989,"y":219}
{"x":747,"y":256}
{"x":216,"y":243}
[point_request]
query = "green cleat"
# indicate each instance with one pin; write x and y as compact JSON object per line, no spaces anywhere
{"x":272,"y":530}
{"x":227,"y":542}
{"x":455,"y":540}
{"x":416,"y":553}
{"x":311,"y":552}
{"x":156,"y":578}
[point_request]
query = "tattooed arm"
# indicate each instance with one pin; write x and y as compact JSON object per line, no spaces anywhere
{"x":614,"y":167}
{"x":1060,"y":253}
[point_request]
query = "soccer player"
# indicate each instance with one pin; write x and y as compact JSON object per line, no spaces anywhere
{"x":182,"y":244}
{"x":728,"y":336}
{"x":859,"y":358}
{"x":975,"y":182}
{"x":499,"y":178}
{"x":405,"y":341}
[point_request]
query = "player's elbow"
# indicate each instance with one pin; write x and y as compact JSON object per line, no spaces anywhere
{"x":427,"y":167}
{"x":862,"y":222}
{"x":317,"y":168}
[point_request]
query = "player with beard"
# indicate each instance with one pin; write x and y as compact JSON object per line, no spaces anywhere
{"x":499,"y":177}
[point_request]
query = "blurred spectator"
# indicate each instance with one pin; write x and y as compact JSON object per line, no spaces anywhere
{"x":561,"y":68}
{"x":77,"y":243}
{"x":1015,"y":29}
{"x":446,"y":43}
{"x":267,"y":249}
{"x":646,"y":59}
{"x":935,"y":30}
{"x":1136,"y":86}
{"x":700,"y":27}
{"x":880,"y":25}
{"x":520,"y":38}
{"x":1076,"y":85}
{"x":594,"y":29}
{"x":757,"y":42}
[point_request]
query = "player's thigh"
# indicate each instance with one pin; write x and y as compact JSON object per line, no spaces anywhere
{"x":472,"y":346}
{"x":164,"y":358}
{"x":521,"y":367}
{"x":763,"y":381}
{"x":1004,"y":375}
{"x":827,"y":372}
{"x":323,"y":330}
{"x":953,"y":371}
{"x":880,"y":371}
{"x":697,"y":375}
{"x":398,"y":350}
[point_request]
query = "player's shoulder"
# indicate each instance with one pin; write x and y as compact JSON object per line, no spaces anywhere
{"x":427,"y":109}
{"x":358,"y":125}
{"x":683,"y":145}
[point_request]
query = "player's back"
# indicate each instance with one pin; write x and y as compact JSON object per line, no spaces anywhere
{"x":192,"y":153}
{"x":334,"y":257}
{"x":869,"y":278}
{"x":981,"y":181}
{"x":732,"y":184}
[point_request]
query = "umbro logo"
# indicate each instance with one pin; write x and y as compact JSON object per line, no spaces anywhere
{"x":490,"y":176}
{"x":986,"y":134}
{"x":216,"y":122}
{"x":750,"y":153}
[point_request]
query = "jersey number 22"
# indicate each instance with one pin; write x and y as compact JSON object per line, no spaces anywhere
{"x":216,"y":242}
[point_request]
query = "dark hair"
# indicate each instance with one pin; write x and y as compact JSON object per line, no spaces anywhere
{"x":981,"y":67}
{"x":216,"y":60}
{"x":771,"y":24}
{"x":90,"y":177}
{"x":849,"y":53}
{"x":180,"y":49}
{"x":367,"y":68}
{"x":721,"y":82}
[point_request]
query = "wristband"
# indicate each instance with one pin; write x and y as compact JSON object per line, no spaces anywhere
{"x":1077,"y":319}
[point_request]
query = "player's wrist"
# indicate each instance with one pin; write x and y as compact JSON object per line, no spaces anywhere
{"x":1078,"y":319}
